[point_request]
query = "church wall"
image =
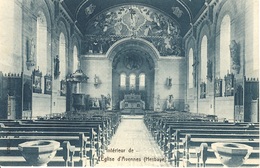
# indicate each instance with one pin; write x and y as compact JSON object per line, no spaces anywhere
{"x":175,"y":69}
{"x":11,"y":23}
{"x":19,"y":17}
{"x":102,"y":68}
{"x":41,"y":105}
{"x":191,"y":97}
{"x":251,"y":39}
{"x":243,"y":31}
{"x":19,"y":20}
{"x":224,"y":108}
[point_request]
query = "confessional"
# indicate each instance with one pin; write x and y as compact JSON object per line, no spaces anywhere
{"x":15,"y":96}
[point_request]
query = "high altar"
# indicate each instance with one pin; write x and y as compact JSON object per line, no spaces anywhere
{"x":132,"y":103}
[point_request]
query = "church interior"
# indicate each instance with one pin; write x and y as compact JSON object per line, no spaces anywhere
{"x":171,"y":83}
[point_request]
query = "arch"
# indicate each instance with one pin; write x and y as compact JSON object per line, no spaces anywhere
{"x":62,"y":27}
{"x":62,"y":56}
{"x":190,"y":67}
{"x":133,"y":43}
{"x":75,"y":58}
{"x":203,"y":58}
{"x":190,"y":43}
{"x":41,"y":44}
{"x":223,"y":10}
{"x":204,"y":30}
{"x":224,"y":42}
{"x":76,"y":42}
{"x":43,"y":6}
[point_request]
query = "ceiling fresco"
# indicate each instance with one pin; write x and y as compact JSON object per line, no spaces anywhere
{"x":133,"y":21}
{"x":163,"y":23}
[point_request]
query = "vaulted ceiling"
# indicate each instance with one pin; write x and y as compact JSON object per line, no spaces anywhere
{"x":183,"y":12}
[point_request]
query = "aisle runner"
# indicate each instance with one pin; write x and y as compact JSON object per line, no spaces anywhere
{"x":133,"y":145}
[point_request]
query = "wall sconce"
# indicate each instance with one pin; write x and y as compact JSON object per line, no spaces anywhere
{"x":96,"y":81}
{"x":168,"y":82}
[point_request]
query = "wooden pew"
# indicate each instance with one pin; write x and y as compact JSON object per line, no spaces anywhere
{"x":68,"y":154}
{"x":162,"y":132}
{"x":9,"y":143}
{"x":103,"y":127}
{"x":198,"y":151}
{"x":163,"y":128}
{"x":102,"y":132}
{"x":15,"y":135}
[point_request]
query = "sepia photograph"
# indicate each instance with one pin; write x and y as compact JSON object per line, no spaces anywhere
{"x":129,"y":83}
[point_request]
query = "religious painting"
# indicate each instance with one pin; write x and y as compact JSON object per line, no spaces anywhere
{"x":47,"y":84}
{"x":229,"y":85}
{"x":37,"y":81}
{"x":134,"y":21}
{"x":218,"y":87}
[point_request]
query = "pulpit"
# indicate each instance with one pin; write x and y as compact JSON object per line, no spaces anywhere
{"x":78,"y":101}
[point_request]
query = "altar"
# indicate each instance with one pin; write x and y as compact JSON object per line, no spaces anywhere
{"x":132,"y":104}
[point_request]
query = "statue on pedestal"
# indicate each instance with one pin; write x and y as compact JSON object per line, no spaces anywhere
{"x":157,"y":103}
{"x":170,"y":103}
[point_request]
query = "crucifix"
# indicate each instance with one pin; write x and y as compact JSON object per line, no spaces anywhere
{"x":133,"y":19}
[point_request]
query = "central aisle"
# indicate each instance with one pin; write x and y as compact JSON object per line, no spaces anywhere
{"x":133,"y":145}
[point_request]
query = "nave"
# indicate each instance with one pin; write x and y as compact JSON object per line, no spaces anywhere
{"x":137,"y":146}
{"x":104,"y":139}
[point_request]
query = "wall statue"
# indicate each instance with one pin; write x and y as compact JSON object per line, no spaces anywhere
{"x":234,"y":53}
{"x":170,"y":103}
{"x":157,"y":103}
{"x":56,"y":67}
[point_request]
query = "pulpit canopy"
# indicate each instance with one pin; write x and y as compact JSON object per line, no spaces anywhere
{"x":78,"y":76}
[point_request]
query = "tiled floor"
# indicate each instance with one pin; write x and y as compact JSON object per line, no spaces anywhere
{"x":133,"y":145}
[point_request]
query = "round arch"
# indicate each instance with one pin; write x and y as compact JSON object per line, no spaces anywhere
{"x":118,"y":56}
{"x":138,"y":43}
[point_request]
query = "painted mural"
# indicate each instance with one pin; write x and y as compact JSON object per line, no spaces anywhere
{"x":133,"y":21}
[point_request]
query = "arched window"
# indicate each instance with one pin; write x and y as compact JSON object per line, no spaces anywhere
{"x":75,"y":58}
{"x":62,"y":55}
{"x":41,"y":44}
{"x":203,"y":59}
{"x":190,"y":68}
{"x":132,"y":78}
{"x":141,"y":81}
{"x":224,"y":50}
{"x":123,"y":80}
